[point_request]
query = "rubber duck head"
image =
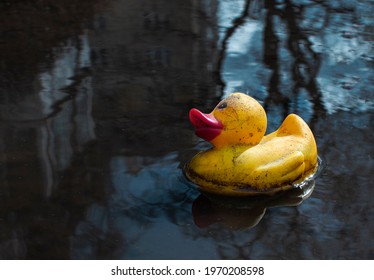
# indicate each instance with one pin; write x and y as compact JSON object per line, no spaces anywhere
{"x":237,"y":120}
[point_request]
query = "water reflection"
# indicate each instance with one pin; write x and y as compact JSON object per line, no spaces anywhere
{"x":94,"y":98}
{"x":244,"y":213}
{"x":300,"y":56}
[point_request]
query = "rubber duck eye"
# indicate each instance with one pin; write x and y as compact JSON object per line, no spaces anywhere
{"x":223,"y":105}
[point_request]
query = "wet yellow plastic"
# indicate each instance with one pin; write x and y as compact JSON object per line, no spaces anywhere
{"x":243,"y":161}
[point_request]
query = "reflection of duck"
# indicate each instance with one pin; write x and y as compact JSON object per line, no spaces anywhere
{"x":244,"y":212}
{"x":243,"y":161}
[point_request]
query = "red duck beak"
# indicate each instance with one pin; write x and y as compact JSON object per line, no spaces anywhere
{"x":206,"y":125}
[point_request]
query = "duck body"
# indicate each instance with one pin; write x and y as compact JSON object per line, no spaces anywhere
{"x":243,"y":161}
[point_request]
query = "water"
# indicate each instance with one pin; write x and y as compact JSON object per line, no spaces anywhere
{"x":94,"y":101}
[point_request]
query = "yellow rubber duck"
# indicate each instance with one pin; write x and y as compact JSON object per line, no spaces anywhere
{"x":242,"y":160}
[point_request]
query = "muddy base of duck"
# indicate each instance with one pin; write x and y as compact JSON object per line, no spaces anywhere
{"x":239,"y":190}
